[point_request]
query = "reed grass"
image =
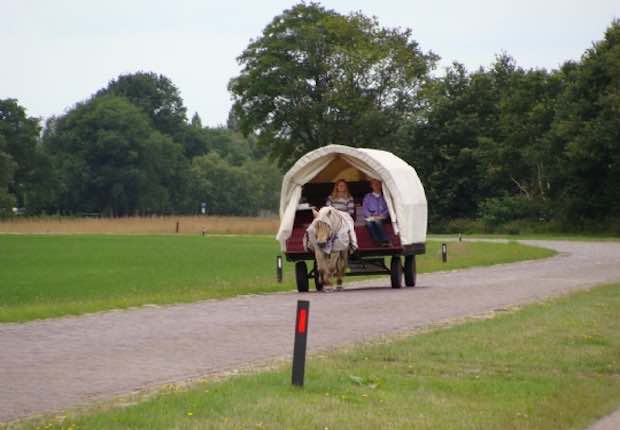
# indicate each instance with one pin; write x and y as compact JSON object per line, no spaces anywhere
{"x":187,"y":224}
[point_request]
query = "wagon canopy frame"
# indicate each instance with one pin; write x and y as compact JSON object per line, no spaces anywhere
{"x":402,"y":189}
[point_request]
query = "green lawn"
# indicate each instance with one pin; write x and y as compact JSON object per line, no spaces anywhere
{"x":554,"y":365}
{"x":44,"y":276}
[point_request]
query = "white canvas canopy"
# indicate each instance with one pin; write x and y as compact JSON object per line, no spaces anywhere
{"x":402,"y":188}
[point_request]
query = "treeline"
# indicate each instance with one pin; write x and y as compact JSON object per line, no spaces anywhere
{"x":515,"y":147}
{"x":509,"y":148}
{"x":498,"y":149}
{"x":129,"y":150}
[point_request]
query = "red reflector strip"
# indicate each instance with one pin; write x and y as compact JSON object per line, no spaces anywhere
{"x":301,"y":321}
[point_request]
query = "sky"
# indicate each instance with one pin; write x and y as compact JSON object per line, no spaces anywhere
{"x":57,"y":53}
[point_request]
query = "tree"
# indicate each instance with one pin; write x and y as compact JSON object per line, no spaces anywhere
{"x":266,"y":183}
{"x":316,"y":77}
{"x":231,"y":146}
{"x":518,"y":161}
{"x":193,"y":138}
{"x":19,"y":135}
{"x":111,"y":160}
{"x":462,"y":108}
{"x":226,"y":189}
{"x":586,"y":133}
{"x":196,"y":122}
{"x":484,"y":137}
{"x":7,"y":170}
{"x":232,"y":122}
{"x":156,"y":95}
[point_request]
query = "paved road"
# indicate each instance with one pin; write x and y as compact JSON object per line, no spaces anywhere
{"x":610,"y":422}
{"x":60,"y":363}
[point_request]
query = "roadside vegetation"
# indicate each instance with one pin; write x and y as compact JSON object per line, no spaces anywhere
{"x":46,"y":276}
{"x":527,"y":228}
{"x":187,"y":224}
{"x":547,"y":366}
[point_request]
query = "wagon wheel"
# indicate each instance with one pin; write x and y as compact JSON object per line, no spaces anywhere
{"x":301,"y":276}
{"x":396,"y":272}
{"x":317,"y":278}
{"x":410,"y":271}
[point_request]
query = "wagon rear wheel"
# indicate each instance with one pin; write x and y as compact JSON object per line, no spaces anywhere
{"x":396,"y":272}
{"x":410,"y":271}
{"x":317,"y":278}
{"x":301,"y":276}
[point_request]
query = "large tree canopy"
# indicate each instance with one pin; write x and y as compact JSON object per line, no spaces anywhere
{"x":315,"y":77}
{"x":586,"y":131}
{"x":156,"y":95}
{"x":110,"y":159}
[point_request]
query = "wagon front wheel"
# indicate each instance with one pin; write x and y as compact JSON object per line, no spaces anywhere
{"x":396,"y":272}
{"x":301,"y":276}
{"x":410,"y":271}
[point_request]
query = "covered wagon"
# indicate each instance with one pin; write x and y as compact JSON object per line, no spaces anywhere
{"x":308,"y":183}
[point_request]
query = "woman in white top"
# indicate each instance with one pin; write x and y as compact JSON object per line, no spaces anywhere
{"x":340,"y":198}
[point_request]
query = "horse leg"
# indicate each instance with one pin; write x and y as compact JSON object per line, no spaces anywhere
{"x":331,"y":268}
{"x":341,"y":266}
{"x":326,"y":278}
{"x":321,"y":264}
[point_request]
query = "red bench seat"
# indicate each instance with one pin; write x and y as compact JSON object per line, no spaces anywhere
{"x":294,"y":244}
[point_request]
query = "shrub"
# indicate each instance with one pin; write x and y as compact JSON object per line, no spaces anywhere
{"x":501,"y":213}
{"x":455,"y":226}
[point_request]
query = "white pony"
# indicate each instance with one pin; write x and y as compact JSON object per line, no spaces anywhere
{"x":331,"y":237}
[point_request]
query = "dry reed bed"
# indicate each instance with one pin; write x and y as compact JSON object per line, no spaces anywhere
{"x":142,"y":225}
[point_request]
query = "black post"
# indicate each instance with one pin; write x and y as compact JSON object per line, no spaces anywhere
{"x":301,"y":337}
{"x":177,"y":227}
{"x":444,"y":252}
{"x":279,"y":268}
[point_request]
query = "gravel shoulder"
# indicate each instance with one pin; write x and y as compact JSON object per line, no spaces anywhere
{"x":56,"y":364}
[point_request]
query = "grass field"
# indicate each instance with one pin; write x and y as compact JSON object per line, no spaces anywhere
{"x":554,"y":365}
{"x":53,"y":275}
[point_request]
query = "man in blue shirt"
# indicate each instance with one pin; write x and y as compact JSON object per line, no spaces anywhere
{"x":375,"y":213}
